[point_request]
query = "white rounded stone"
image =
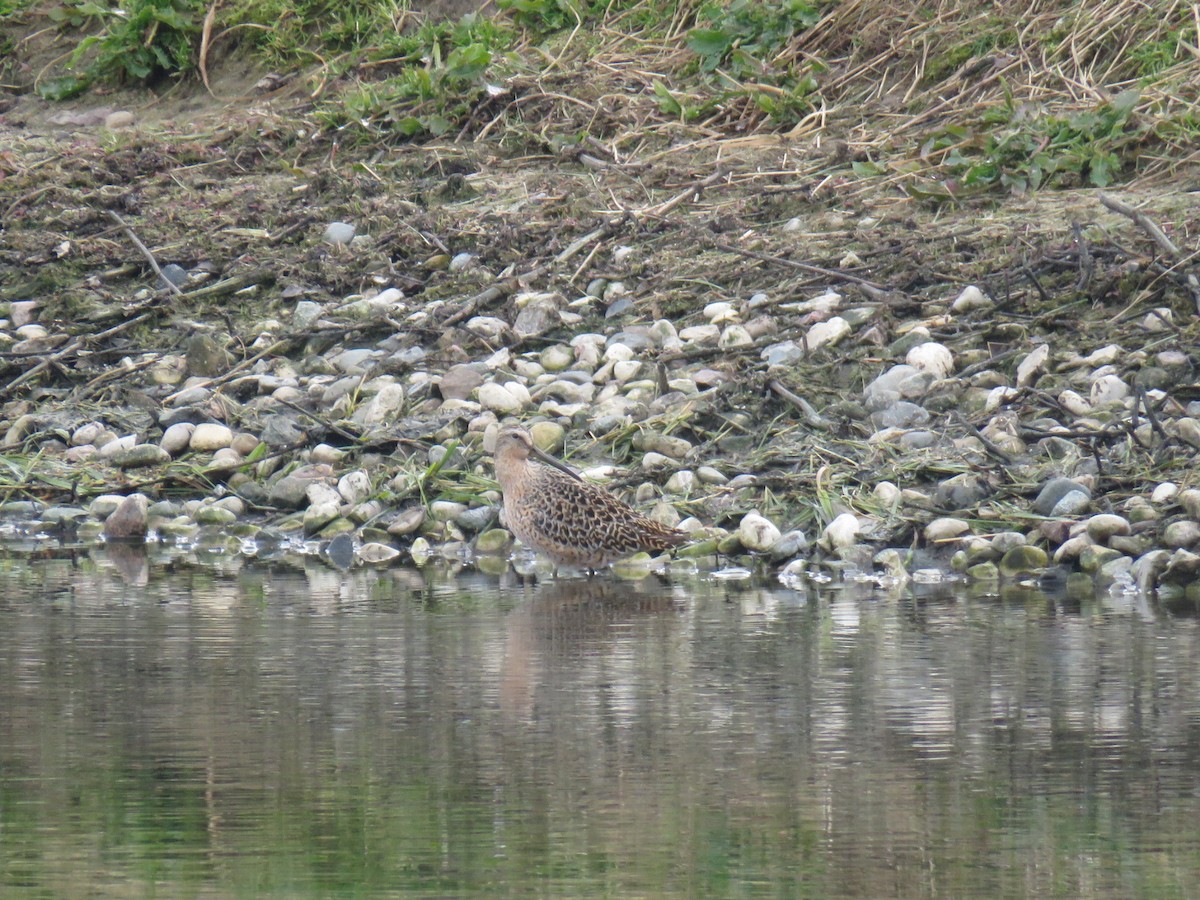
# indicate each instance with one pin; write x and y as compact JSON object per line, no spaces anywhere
{"x":1108,"y":389}
{"x":498,"y":398}
{"x":757,"y":533}
{"x":931,"y":357}
{"x":210,"y":436}
{"x":946,"y":528}
{"x":842,"y":532}
{"x":887,"y":493}
{"x":354,"y":487}
{"x":971,"y":298}
{"x":177,"y":438}
{"x":828,"y":332}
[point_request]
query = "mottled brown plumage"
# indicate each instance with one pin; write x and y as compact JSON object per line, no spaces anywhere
{"x":554,"y":511}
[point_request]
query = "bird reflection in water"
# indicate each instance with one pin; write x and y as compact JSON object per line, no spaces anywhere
{"x":566,"y":626}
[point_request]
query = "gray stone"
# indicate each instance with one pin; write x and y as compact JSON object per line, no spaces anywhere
{"x":1072,"y":504}
{"x":281,"y":431}
{"x":1182,"y":534}
{"x":1055,"y":490}
{"x":128,"y":521}
{"x":461,"y":380}
{"x":206,"y":358}
{"x":537,"y":317}
{"x":139,"y":456}
{"x":291,"y":491}
{"x":901,"y":414}
{"x":339,"y":233}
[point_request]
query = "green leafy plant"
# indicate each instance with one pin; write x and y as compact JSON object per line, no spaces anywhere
{"x":141,"y":39}
{"x":438,"y":83}
{"x":737,"y":49}
{"x":1020,"y":151}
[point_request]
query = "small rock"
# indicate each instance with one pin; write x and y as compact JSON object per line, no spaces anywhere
{"x":86,"y":434}
{"x":984,"y":571}
{"x":735,"y":336}
{"x":549,"y":437}
{"x":339,"y":233}
{"x":931,"y":357}
{"x":446,"y":510}
{"x":1183,"y":534}
{"x":1022,"y":560}
{"x":887,"y":494}
{"x":1072,"y":504}
{"x":828,"y":332}
{"x":498,"y":398}
{"x":121,"y":118}
{"x":383,"y":408}
{"x":946,"y":528}
{"x":1054,"y":491}
{"x":206,"y":358}
{"x":1032,"y":365}
{"x":1108,"y":389}
{"x":1092,"y":558}
{"x":407,"y":521}
{"x":537,"y":317}
{"x":1166,"y":492}
{"x":139,"y":456}
{"x":494,"y":540}
{"x":210,"y":436}
{"x":354,"y":487}
{"x":757,"y":533}
{"x":841,"y":533}
{"x":177,"y":437}
{"x":1101,"y":527}
{"x":128,"y":521}
{"x":971,"y":299}
{"x":1072,"y":548}
{"x":374,"y":553}
{"x":215,"y":515}
{"x":1148,"y":568}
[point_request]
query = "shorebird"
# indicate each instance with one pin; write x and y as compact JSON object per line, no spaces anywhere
{"x":554,"y":511}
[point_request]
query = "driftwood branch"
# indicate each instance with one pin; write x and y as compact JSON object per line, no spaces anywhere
{"x":1164,"y":243}
{"x":145,"y":251}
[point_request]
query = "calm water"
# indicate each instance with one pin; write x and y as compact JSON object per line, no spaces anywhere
{"x":254,"y":732}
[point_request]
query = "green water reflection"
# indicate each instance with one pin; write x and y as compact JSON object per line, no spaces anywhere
{"x":309,"y":733}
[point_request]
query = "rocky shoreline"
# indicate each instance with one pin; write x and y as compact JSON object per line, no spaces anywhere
{"x":880,"y":391}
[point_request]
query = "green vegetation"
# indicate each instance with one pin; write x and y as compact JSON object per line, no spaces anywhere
{"x":1021,"y":151}
{"x":1004,"y":104}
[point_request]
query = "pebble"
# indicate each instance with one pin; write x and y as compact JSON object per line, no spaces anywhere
{"x":735,"y":336}
{"x":841,"y":533}
{"x":931,"y":357}
{"x":946,"y":528}
{"x":1182,"y":534}
{"x":1021,"y":560}
{"x":139,"y":456}
{"x":1107,"y":390}
{"x":757,"y":533}
{"x":354,"y":487}
{"x":210,"y":436}
{"x":339,"y":233}
{"x":128,"y":521}
{"x":498,"y":398}
{"x":1105,"y":525}
{"x":828,"y":332}
{"x":1033,"y":365}
{"x":1057,"y":490}
{"x":971,"y":299}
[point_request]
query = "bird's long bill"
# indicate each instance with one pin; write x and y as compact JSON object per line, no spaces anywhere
{"x":558,"y":464}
